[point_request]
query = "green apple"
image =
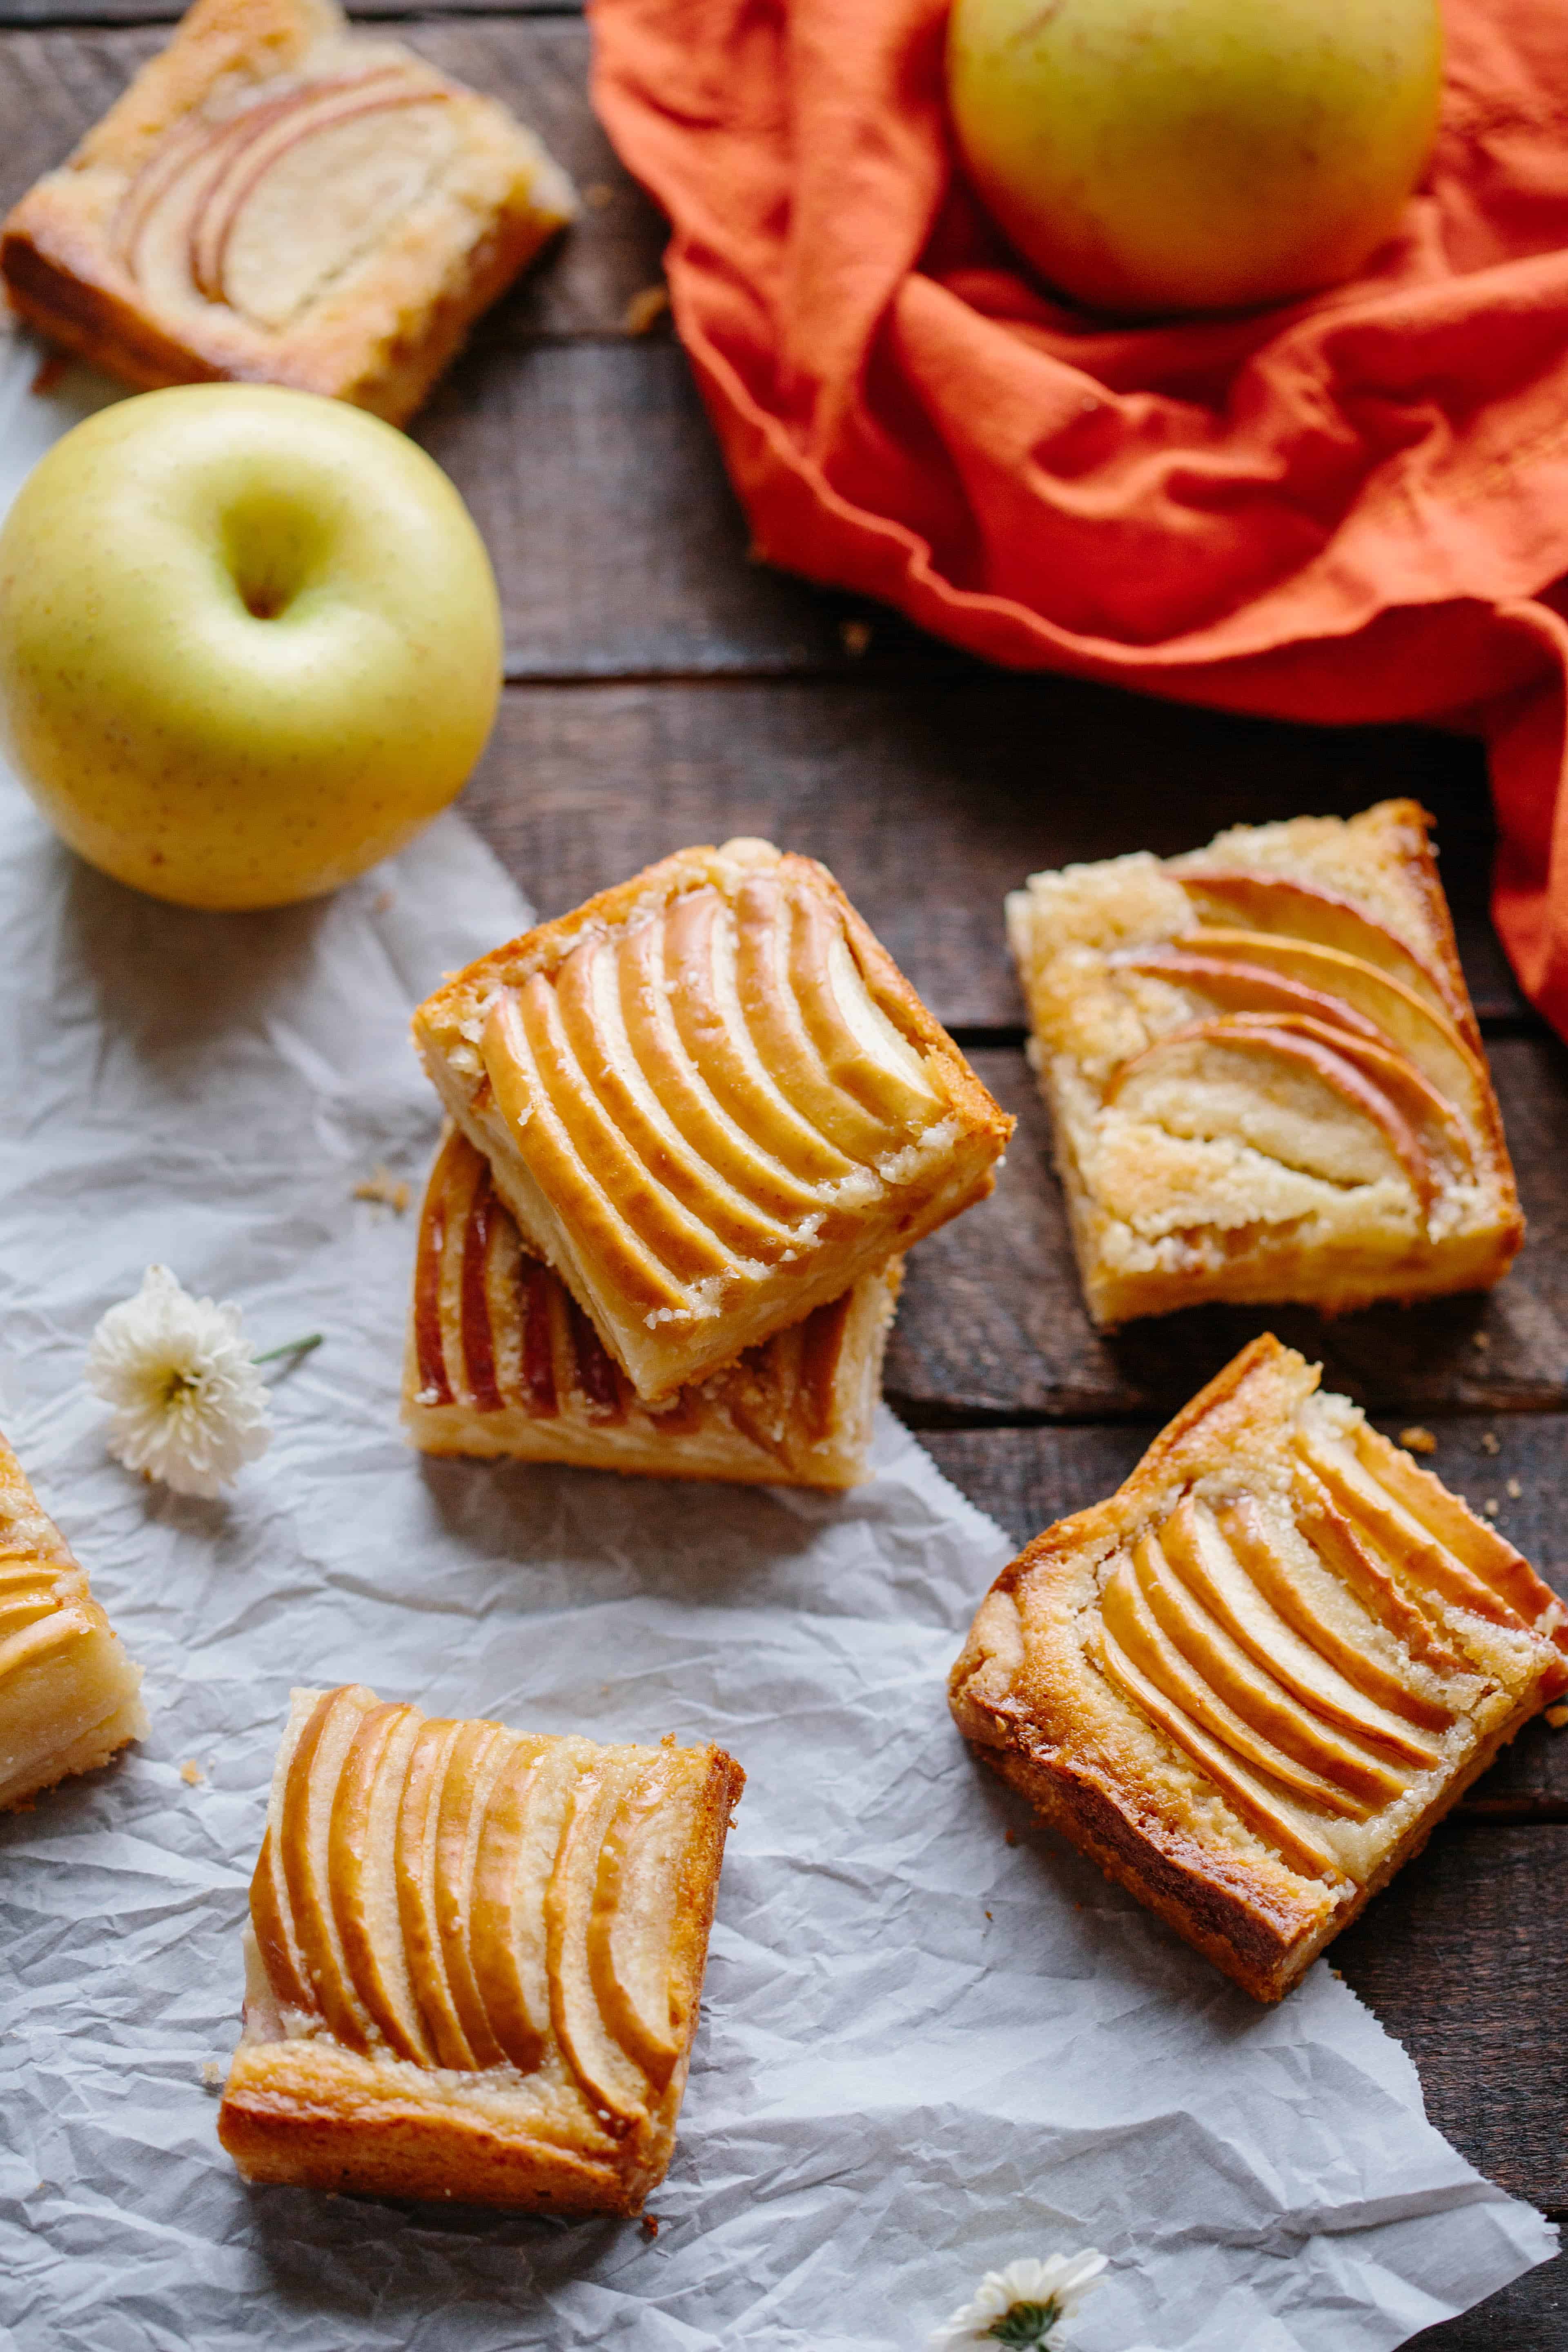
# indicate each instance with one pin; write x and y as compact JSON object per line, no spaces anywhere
{"x":1162,"y":155}
{"x":249,"y":642}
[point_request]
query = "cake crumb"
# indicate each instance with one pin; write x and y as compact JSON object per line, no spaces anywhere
{"x":191,"y":1773}
{"x":381,"y":1185}
{"x":645,"y":310}
{"x":1481,"y":1340}
{"x":1489,"y":1442}
{"x":988,"y":1915}
{"x":1490,"y":1506}
{"x":1557,"y":1716}
{"x":597,"y":195}
{"x":855,"y":637}
{"x":212,"y":2073}
{"x":1513,"y":1490}
{"x":650,"y":2225}
{"x":1011,"y":1837}
{"x":1418,"y":1440}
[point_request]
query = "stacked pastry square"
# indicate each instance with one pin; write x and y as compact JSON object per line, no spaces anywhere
{"x":695,"y":1126}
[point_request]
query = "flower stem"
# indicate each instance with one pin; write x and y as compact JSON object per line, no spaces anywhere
{"x":290,"y":1347}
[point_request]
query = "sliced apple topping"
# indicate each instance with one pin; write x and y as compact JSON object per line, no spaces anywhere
{"x":304,"y":1836}
{"x":414,"y":1849}
{"x":1479,"y":1547}
{"x":1262,"y":902}
{"x":1314,"y":1135}
{"x":613,"y":2080}
{"x":1291,"y":1647}
{"x":632,"y":1924}
{"x":361,"y":1868}
{"x":474,"y":1760}
{"x":519,"y":1837}
{"x":1392,"y":1531}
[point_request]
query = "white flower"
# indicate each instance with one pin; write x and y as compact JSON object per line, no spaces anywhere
{"x":1021,"y":2304}
{"x":190,"y":1406}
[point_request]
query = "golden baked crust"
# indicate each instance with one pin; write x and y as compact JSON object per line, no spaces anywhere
{"x":1250,"y":1683}
{"x":501,"y":1360}
{"x":474,"y":1959}
{"x":1264,"y":1075}
{"x":275,"y":200}
{"x":69,"y":1697}
{"x":711,"y":1102}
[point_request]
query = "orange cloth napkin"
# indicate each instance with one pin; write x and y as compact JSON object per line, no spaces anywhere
{"x":1349,"y":508}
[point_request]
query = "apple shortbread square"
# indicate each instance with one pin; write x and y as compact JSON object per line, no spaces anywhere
{"x":474,"y":1958}
{"x":711,"y":1102}
{"x":1264,"y":1075}
{"x":503,"y":1362}
{"x":69,"y":1697}
{"x":1250,"y":1684}
{"x":277,"y":200}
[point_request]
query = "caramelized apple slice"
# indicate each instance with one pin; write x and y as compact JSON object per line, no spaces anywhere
{"x":361,"y":1869}
{"x":774,"y":1015}
{"x":1246,"y":1531}
{"x":1296,"y":1840}
{"x":1398,"y":1015}
{"x":699,"y":957}
{"x":1239,"y":986}
{"x":1325,"y":1527}
{"x":862,"y":1053}
{"x":519,"y":1838}
{"x":524,"y":1102}
{"x":610,"y":2078}
{"x":31,"y":1645}
{"x":1132,"y":1624}
{"x":1392,"y":1531}
{"x":1446,"y":1518}
{"x":1261,"y":901}
{"x":1265,"y":1034}
{"x":270,"y":1925}
{"x":719,"y":1140}
{"x":430,"y":1258}
{"x":590,"y":1012}
{"x":472,"y":1763}
{"x":304,"y":1836}
{"x":415,"y":1863}
{"x":1253,"y":1693}
{"x":632,"y":1924}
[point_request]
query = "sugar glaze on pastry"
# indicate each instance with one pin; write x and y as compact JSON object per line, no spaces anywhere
{"x":1264,"y":1074}
{"x":1250,"y":1681}
{"x":69,"y":1697}
{"x":501,"y":1360}
{"x":474,"y":1957}
{"x":711,"y":1101}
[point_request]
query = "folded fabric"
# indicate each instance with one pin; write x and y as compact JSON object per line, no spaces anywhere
{"x":1349,"y":509}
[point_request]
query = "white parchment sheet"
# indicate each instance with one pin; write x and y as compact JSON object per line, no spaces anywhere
{"x":923,"y":2050}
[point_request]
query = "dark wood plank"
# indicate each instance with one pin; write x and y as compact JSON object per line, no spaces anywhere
{"x":55,"y":85}
{"x":992,"y":1322}
{"x":1027,"y":1478}
{"x":1531,"y":2316}
{"x":1462,"y":1959}
{"x":930,"y":795}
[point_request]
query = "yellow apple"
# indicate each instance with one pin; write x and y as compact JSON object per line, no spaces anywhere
{"x":1165,"y":155}
{"x":249,"y":642}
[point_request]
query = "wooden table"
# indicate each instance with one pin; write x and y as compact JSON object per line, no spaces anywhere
{"x":662,"y":689}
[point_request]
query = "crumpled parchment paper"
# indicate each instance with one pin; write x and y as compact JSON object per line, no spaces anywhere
{"x":923,"y":2052}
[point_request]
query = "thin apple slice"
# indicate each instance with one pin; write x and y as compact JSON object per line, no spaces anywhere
{"x":361,"y":1868}
{"x":1261,"y":901}
{"x":31,"y":1645}
{"x":541,"y":1299}
{"x":718,"y":1137}
{"x":774,"y":1016}
{"x":631,"y":1931}
{"x":701,"y":963}
{"x":595,"y":1375}
{"x":612,"y":2079}
{"x":525,"y":1101}
{"x":1297,"y":1839}
{"x":590,"y":1000}
{"x":304,"y":1840}
{"x":1132,"y":1625}
{"x":1448,"y":1520}
{"x":1268,"y":1034}
{"x":473,"y":1761}
{"x":1197,"y":1552}
{"x":520,"y":1838}
{"x":415,"y":1864}
{"x":1409,"y":1548}
{"x":1253,"y":1692}
{"x":864,"y":1055}
{"x":429,"y":1275}
{"x":1325,"y":1527}
{"x":1246,"y":1531}
{"x":1237,"y":986}
{"x":474,"y":1315}
{"x":1400,"y":1017}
